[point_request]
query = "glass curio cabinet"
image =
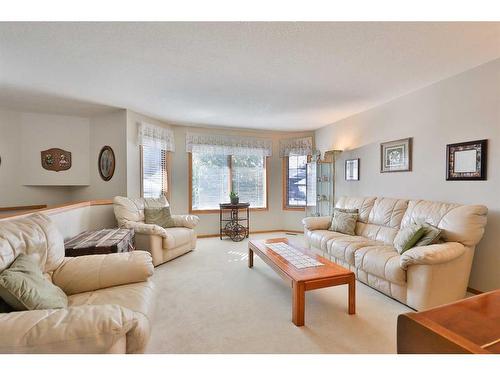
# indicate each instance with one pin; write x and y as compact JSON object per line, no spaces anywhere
{"x":320,"y":188}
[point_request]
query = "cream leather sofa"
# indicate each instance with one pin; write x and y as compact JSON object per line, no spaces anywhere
{"x":110,"y":297}
{"x":421,"y":277}
{"x":164,"y":244}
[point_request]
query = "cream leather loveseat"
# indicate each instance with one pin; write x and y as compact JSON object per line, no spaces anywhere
{"x":421,"y":277}
{"x":110,"y":297}
{"x":164,"y":244}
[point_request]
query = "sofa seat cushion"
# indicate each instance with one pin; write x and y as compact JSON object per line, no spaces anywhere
{"x":344,"y":247}
{"x":319,"y":238}
{"x":177,"y":236}
{"x":138,"y":297}
{"x":381,"y":261}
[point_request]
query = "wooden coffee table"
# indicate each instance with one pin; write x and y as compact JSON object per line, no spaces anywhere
{"x":303,"y":279}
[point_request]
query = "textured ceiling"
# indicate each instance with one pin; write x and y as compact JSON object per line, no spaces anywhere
{"x":281,"y":76}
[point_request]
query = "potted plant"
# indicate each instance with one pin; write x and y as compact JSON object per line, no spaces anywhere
{"x":234,"y":197}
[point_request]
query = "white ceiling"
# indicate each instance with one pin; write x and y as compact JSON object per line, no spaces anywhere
{"x":280,"y":76}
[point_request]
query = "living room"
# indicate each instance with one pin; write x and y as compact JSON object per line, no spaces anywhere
{"x":250,"y":188}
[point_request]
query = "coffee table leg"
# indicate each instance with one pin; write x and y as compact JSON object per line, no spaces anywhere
{"x":250,"y":258}
{"x":352,"y":296}
{"x":298,"y":303}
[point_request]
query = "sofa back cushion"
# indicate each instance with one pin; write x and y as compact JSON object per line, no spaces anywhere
{"x":33,"y":234}
{"x":382,"y":216}
{"x":379,"y":218}
{"x":132,"y":209}
{"x":388,"y":212}
{"x":363,"y":205}
{"x":460,"y":223}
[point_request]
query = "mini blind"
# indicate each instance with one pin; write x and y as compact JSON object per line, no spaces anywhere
{"x":154,"y":172}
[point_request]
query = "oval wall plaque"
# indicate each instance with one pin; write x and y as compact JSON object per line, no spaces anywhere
{"x":56,"y":159}
{"x":106,"y":163}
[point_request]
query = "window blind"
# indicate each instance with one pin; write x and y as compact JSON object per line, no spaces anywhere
{"x":154,"y":172}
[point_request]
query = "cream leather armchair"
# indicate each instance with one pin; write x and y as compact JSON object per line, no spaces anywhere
{"x":110,"y":297}
{"x":164,"y":244}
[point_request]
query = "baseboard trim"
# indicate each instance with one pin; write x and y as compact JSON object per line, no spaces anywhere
{"x":474,"y":291}
{"x":253,"y":232}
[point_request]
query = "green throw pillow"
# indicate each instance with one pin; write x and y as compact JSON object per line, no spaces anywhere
{"x":431,"y":235}
{"x":344,"y":221}
{"x":23,"y":287}
{"x":408,"y":236}
{"x":159,"y":216}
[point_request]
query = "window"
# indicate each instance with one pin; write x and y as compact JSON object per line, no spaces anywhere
{"x":213,"y":176}
{"x":294,"y":184}
{"x":154,"y":172}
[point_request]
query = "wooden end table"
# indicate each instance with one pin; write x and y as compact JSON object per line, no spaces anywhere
{"x":304,"y":279}
{"x":471,"y":325}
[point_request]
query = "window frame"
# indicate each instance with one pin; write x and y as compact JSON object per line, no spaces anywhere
{"x":166,"y":184}
{"x":284,"y":184}
{"x":216,"y":210}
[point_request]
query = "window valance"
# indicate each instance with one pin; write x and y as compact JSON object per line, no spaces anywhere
{"x":296,"y":146}
{"x":156,"y":136}
{"x":228,"y":145}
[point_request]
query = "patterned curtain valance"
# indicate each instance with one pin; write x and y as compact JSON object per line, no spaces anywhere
{"x":156,"y":136}
{"x":228,"y":145}
{"x":296,"y":146}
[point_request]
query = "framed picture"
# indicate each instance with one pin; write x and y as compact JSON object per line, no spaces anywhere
{"x":466,"y":160}
{"x":395,"y":156}
{"x":106,"y":163}
{"x":56,"y":159}
{"x":352,"y":170}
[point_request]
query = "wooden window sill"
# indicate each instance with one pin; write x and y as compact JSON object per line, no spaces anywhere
{"x":294,"y":208}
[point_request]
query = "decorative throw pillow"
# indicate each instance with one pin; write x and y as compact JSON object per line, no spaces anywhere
{"x":23,"y":287}
{"x":159,"y":216}
{"x":407,"y":237}
{"x":344,"y":221}
{"x":431,"y":235}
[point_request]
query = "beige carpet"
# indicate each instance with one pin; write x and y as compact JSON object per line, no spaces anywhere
{"x":209,"y":301}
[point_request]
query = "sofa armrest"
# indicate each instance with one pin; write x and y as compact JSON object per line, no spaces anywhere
{"x":317,"y":222}
{"x":187,"y":221}
{"x":93,"y":272}
{"x":431,"y":254}
{"x":79,"y":329}
{"x":143,"y":228}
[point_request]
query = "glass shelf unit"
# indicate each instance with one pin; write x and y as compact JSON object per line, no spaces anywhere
{"x":321,"y":185}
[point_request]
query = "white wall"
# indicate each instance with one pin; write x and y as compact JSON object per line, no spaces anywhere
{"x":273,"y":218}
{"x":462,"y":108}
{"x":28,"y":132}
{"x":40,"y":131}
{"x":106,"y":130}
